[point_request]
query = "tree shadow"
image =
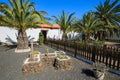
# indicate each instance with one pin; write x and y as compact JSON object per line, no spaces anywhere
{"x":10,"y":40}
{"x":12,"y":46}
{"x":9,"y":47}
{"x":88,"y":72}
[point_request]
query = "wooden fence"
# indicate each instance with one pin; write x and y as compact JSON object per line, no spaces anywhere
{"x":106,"y":54}
{"x":113,"y":40}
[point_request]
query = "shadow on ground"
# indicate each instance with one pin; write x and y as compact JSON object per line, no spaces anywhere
{"x":9,"y":47}
{"x":88,"y":72}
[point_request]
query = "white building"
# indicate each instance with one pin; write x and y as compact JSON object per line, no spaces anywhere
{"x":9,"y":34}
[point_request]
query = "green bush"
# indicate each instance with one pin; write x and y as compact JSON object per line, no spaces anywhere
{"x":97,"y":42}
{"x":41,"y":38}
{"x":60,"y":56}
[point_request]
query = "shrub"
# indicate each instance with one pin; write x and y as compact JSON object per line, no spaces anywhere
{"x":60,"y":56}
{"x":97,"y":42}
{"x":41,"y":38}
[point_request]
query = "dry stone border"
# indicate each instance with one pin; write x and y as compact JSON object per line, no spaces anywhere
{"x":43,"y":61}
{"x":32,"y":66}
{"x":48,"y":60}
{"x":65,"y":64}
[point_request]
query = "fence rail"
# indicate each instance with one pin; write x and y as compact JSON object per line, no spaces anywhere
{"x":113,"y":40}
{"x":106,"y":54}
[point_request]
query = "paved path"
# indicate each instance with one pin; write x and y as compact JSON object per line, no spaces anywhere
{"x":11,"y":65}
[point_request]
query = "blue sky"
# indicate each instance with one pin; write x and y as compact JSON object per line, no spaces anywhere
{"x":54,"y":7}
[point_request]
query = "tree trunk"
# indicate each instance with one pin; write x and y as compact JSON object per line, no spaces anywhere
{"x":22,"y":40}
{"x":86,"y":38}
{"x":83,"y":37}
{"x":100,"y":35}
{"x":64,"y":36}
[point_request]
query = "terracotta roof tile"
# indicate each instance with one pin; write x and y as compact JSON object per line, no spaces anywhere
{"x":54,"y":26}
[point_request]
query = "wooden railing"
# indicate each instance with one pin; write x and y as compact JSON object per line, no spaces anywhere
{"x":106,"y":54}
{"x":113,"y":40}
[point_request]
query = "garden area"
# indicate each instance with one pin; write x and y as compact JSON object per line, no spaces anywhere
{"x":11,"y":67}
{"x":86,"y":48}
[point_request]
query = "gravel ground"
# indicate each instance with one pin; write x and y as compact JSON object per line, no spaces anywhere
{"x":11,"y":65}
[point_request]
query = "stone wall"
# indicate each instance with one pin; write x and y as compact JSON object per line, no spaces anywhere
{"x":43,"y":60}
{"x":32,"y":67}
{"x":48,"y":60}
{"x":63,"y":64}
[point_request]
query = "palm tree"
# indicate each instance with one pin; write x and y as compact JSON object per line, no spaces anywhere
{"x":65,"y":21}
{"x":109,"y":13}
{"x":88,"y":25}
{"x":21,"y":15}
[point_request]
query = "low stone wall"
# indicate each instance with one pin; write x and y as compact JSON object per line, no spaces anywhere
{"x":65,"y":64}
{"x":47,"y":60}
{"x":32,"y":67}
{"x":42,"y":60}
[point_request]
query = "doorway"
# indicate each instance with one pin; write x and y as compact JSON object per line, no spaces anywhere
{"x":45,"y":34}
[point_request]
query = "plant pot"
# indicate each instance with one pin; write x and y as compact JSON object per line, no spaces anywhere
{"x":99,"y":70}
{"x":99,"y":74}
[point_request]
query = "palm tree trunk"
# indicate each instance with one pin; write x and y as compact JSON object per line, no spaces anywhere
{"x":64,"y":36}
{"x":102,"y":36}
{"x":99,"y":34}
{"x":87,"y":39}
{"x":22,"y":41}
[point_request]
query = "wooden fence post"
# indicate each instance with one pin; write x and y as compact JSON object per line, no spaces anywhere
{"x":75,"y":44}
{"x":107,"y":55}
{"x":57,"y":44}
{"x":64,"y":44}
{"x":118,"y":63}
{"x":93,"y":53}
{"x":51,"y":43}
{"x":104,"y":52}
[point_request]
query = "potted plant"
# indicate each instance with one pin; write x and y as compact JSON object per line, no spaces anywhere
{"x":35,"y":53}
{"x":62,"y":56}
{"x":99,"y":70}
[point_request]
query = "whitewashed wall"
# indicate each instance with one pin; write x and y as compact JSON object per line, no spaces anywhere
{"x":7,"y":32}
{"x":33,"y":33}
{"x":54,"y":33}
